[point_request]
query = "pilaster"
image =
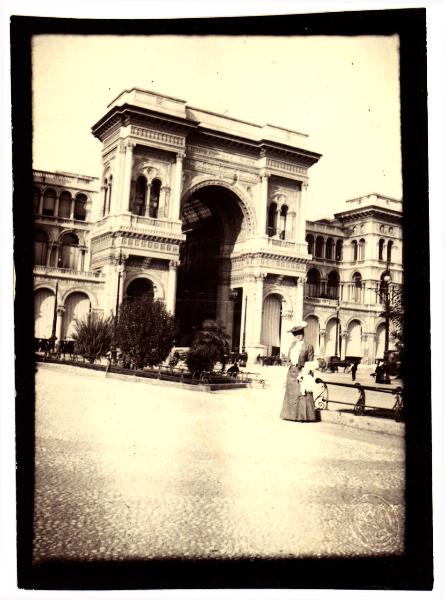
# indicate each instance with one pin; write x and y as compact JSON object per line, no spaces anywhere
{"x":254,"y":300}
{"x":322,"y":342}
{"x":262,"y":207}
{"x":175,"y":213}
{"x":59,"y":322}
{"x":171,"y":286}
{"x":300,"y":230}
{"x":123,"y":203}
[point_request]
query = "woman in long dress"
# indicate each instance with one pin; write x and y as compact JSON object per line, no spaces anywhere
{"x":297,"y":404}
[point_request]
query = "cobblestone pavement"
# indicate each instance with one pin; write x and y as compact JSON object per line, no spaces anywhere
{"x":133,"y":470}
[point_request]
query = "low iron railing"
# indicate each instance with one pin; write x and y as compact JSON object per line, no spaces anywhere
{"x":322,"y":399}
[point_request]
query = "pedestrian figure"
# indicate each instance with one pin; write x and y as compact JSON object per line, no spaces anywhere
{"x":354,"y":370}
{"x":298,"y":405}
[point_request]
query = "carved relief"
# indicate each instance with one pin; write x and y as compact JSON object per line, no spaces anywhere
{"x":158,"y":136}
{"x":286,"y":167}
{"x":220,"y":155}
{"x":220,"y":171}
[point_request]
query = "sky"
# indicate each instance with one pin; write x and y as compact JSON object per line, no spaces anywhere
{"x":343,"y":92}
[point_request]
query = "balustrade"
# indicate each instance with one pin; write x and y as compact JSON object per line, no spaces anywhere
{"x":58,"y":271}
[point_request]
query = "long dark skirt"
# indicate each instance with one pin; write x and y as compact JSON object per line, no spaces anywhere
{"x":297,"y":406}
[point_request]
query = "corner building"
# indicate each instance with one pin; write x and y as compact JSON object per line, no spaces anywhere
{"x":203,"y":211}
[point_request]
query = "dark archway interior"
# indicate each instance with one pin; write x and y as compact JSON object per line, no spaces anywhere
{"x":140,"y":287}
{"x":213,"y":222}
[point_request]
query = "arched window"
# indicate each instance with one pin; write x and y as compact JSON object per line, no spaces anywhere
{"x":49,"y":203}
{"x":140,"y":287}
{"x":80,"y":207}
{"x":104,"y":205}
{"x":77,"y":306}
{"x":155,"y":191}
{"x":40,"y":247}
{"x":330,"y":248}
{"x":384,"y":286}
{"x":389,"y":251}
{"x":65,"y":205}
{"x":319,"y":247}
{"x":313,"y":283}
{"x":69,"y":252}
{"x":140,"y":196}
{"x":361,"y":249}
{"x":110,"y":190}
{"x":339,"y":250}
{"x":272,"y":220}
{"x":283,"y":218}
{"x":354,"y":247}
{"x":333,"y":284}
{"x":357,"y":288}
{"x":36,"y":197}
{"x":381,"y":247}
{"x":310,"y":243}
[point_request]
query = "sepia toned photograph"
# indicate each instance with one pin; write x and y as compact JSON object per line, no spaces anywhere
{"x":221,"y":367}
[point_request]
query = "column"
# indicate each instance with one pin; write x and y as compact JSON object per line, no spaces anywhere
{"x":286,"y":324}
{"x":40,"y":204}
{"x":122,"y":284}
{"x":56,"y":206}
{"x":72,"y":206}
{"x":365,"y":347}
{"x":299,"y":296}
{"x":171,"y":286}
{"x":300,"y":231}
{"x":290,"y":225}
{"x":81,"y":261}
{"x":371,"y":347}
{"x":344,"y":337}
{"x":161,"y":207}
{"x":175,"y":213}
{"x":322,"y":342}
{"x":123,"y":204}
{"x":147,"y":200}
{"x":254,"y":316}
{"x":167,"y":191}
{"x":60,"y":312}
{"x":262,"y":206}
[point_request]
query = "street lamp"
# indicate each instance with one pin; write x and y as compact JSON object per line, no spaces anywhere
{"x":244,"y":328}
{"x":120,"y":269}
{"x":337,"y":327}
{"x":387,"y":280}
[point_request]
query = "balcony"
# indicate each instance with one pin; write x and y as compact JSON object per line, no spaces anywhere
{"x":143,"y":225}
{"x":56,"y":220}
{"x":68,"y":273}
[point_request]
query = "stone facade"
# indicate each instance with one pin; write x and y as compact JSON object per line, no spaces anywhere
{"x":208,"y":214}
{"x":343,"y":294}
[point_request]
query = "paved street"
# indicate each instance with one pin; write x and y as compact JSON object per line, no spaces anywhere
{"x":136,"y":470}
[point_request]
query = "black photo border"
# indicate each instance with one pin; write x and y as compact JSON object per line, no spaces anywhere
{"x":413,"y":570}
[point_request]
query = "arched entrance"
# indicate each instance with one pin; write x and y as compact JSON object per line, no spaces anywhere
{"x":354,"y":339}
{"x":77,"y":306}
{"x":380,"y":341}
{"x":312,"y":334}
{"x":333,"y":333}
{"x":141,"y":286}
{"x":44,"y":300}
{"x":213,"y":222}
{"x":271,"y":324}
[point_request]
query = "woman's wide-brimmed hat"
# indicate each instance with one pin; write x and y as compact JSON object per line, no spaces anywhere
{"x":298,"y":327}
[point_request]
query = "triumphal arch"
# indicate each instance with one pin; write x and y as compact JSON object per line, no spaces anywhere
{"x":207,"y":213}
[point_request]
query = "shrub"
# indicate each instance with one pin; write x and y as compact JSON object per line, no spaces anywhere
{"x":209,"y":346}
{"x":145,"y":331}
{"x":93,"y":336}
